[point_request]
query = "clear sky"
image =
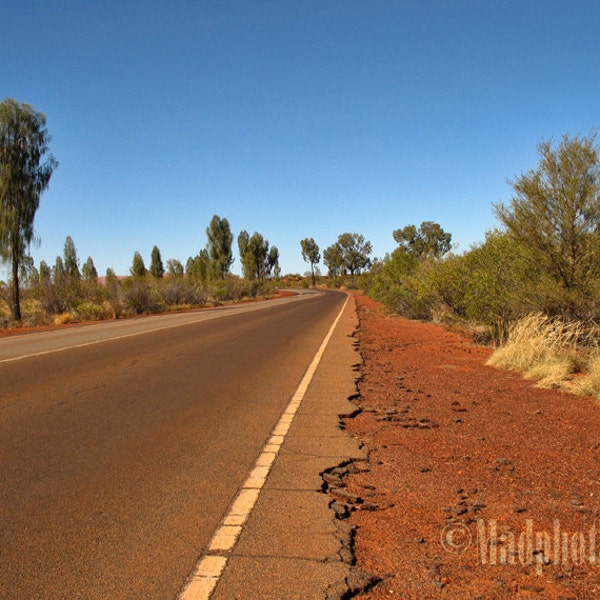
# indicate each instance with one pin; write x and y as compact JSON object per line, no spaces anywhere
{"x":291,"y":118}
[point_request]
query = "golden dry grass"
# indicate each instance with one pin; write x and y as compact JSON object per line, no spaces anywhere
{"x":554,"y":352}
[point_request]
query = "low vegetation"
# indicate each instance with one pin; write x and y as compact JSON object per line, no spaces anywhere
{"x":65,"y":293}
{"x":554,"y":352}
{"x":532,"y":288}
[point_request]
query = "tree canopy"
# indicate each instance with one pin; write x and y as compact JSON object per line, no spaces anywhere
{"x":428,"y":241}
{"x":350,"y":254}
{"x":258,"y":262}
{"x":555,"y":215}
{"x":219,"y":246}
{"x":157,"y":269}
{"x":138,"y":268}
{"x":310,"y":254}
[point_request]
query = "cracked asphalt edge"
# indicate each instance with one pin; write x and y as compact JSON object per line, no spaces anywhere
{"x":343,"y":503}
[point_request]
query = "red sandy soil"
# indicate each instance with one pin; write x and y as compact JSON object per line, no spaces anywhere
{"x":478,"y":484}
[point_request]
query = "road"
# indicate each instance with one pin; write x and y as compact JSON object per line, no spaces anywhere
{"x":122,"y":445}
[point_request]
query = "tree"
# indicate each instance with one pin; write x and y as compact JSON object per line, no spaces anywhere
{"x":138,"y":268}
{"x":90,"y":274}
{"x":59,"y":274}
{"x":71,"y":262}
{"x":157,"y":269}
{"x":355,"y":252}
{"x":310,"y":254}
{"x":219,"y":246}
{"x":273,"y":263}
{"x":428,"y":241}
{"x":254,"y":255}
{"x":174,"y":267}
{"x":45,"y":273}
{"x":257,"y":256}
{"x":198,"y":268}
{"x":555,"y":214}
{"x":243,"y":240}
{"x":112,"y":289}
{"x":26,"y":166}
{"x":333,"y":258}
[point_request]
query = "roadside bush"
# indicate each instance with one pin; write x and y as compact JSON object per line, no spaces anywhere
{"x":491,"y":285}
{"x":92,"y":311}
{"x":392,"y":285}
{"x":236,"y":289}
{"x":179,"y":291}
{"x":52,"y":300}
{"x":138,"y":297}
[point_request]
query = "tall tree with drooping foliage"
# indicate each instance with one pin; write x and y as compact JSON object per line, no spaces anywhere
{"x":219,"y":246}
{"x":310,"y":254}
{"x":26,"y":166}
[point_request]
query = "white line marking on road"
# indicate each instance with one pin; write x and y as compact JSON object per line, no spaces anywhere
{"x":208,"y":571}
{"x":204,"y":317}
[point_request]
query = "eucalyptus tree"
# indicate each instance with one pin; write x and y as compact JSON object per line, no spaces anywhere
{"x":310,"y":254}
{"x":273,"y":263}
{"x":157,"y":268}
{"x":355,"y":252}
{"x":89,"y":271}
{"x":427,"y":242}
{"x":258,"y":262}
{"x":26,"y":166}
{"x":219,"y":246}
{"x":334,"y":259}
{"x":71,"y":262}
{"x":174,"y":267}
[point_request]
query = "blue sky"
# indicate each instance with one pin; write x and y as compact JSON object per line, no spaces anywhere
{"x":294,"y":119}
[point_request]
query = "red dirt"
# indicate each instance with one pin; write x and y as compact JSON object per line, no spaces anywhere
{"x":457,"y":449}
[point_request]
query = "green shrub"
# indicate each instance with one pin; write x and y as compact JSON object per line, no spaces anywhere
{"x":92,"y":311}
{"x":138,"y":297}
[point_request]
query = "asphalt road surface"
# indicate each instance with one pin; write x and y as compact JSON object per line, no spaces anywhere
{"x":123,"y":444}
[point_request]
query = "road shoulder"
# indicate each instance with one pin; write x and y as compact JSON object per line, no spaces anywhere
{"x":291,"y":545}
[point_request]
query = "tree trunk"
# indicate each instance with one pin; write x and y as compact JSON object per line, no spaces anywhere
{"x":16,"y":295}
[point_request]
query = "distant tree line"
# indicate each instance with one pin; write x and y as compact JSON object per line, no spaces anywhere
{"x":349,"y":256}
{"x":68,"y":291}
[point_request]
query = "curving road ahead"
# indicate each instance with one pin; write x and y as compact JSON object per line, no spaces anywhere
{"x":123,"y":444}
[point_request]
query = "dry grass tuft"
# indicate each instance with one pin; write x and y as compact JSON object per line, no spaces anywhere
{"x":553,"y":352}
{"x":64,"y":318}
